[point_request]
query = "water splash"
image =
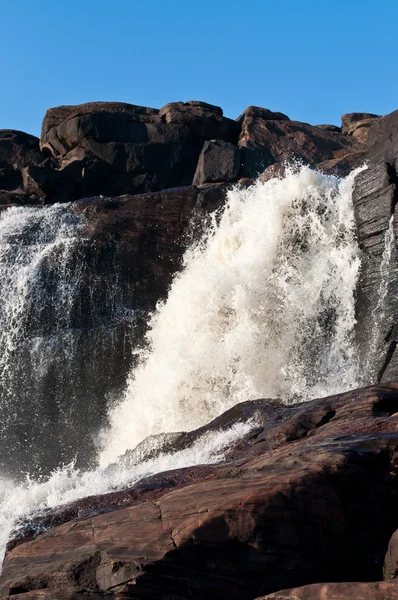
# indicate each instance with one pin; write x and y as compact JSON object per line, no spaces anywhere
{"x":264,"y":307}
{"x":67,"y":484}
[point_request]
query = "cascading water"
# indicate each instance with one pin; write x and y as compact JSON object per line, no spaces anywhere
{"x":264,"y":306}
{"x":53,"y":338}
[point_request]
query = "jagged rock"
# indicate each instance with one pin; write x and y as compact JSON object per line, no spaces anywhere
{"x":350,"y":120}
{"x":286,"y":508}
{"x":357,"y":125}
{"x":218,"y":161}
{"x":375,"y":196}
{"x":379,"y":590}
{"x":264,"y":141}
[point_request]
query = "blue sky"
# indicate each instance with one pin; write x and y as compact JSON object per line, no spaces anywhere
{"x":312,"y":60}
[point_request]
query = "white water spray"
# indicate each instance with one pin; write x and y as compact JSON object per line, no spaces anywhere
{"x":264,"y":307}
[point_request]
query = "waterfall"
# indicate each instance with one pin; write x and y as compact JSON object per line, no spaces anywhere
{"x":60,"y":324}
{"x":263,"y":307}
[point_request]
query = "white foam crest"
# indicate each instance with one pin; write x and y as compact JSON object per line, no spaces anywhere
{"x":263,"y":307}
{"x":67,"y":484}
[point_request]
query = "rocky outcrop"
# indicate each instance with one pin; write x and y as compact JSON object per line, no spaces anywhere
{"x":267,"y":138}
{"x":357,"y":125}
{"x":375,"y":197}
{"x":115,"y":148}
{"x":286,"y":508}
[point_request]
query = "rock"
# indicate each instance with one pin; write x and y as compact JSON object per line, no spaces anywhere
{"x":94,"y":115}
{"x":375,"y":196}
{"x":287,"y":507}
{"x":256,"y":112}
{"x":50,"y":185}
{"x":114,"y":148}
{"x":333,"y":128}
{"x":20,"y":151}
{"x":357,"y":125}
{"x":264,"y":142}
{"x":349,"y":120}
{"x":379,"y":590}
{"x":342,"y":166}
{"x":390,"y":569}
{"x":218,"y":161}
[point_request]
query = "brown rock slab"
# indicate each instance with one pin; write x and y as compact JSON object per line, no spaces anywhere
{"x":379,"y":590}
{"x":287,"y":507}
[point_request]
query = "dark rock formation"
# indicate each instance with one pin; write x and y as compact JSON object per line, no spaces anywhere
{"x":287,"y":508}
{"x":266,"y":139}
{"x":218,"y":161}
{"x":375,"y":197}
{"x":115,"y":148}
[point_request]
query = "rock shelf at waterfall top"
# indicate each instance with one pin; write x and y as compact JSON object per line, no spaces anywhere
{"x":162,"y":271}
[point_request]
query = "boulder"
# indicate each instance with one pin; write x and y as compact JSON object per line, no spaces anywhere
{"x":218,"y":161}
{"x":357,"y":126}
{"x":350,"y":120}
{"x":20,"y":151}
{"x":256,"y":112}
{"x":265,"y":141}
{"x":286,"y":508}
{"x":121,"y":148}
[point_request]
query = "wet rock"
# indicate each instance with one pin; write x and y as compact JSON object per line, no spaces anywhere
{"x":287,"y":507}
{"x":218,"y":161}
{"x":379,"y":590}
{"x":342,"y":166}
{"x":375,"y":196}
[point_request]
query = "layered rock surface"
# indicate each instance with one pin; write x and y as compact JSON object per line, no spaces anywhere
{"x":309,"y":495}
{"x":375,"y":197}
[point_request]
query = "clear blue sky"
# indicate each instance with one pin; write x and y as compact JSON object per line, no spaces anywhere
{"x":311,"y":59}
